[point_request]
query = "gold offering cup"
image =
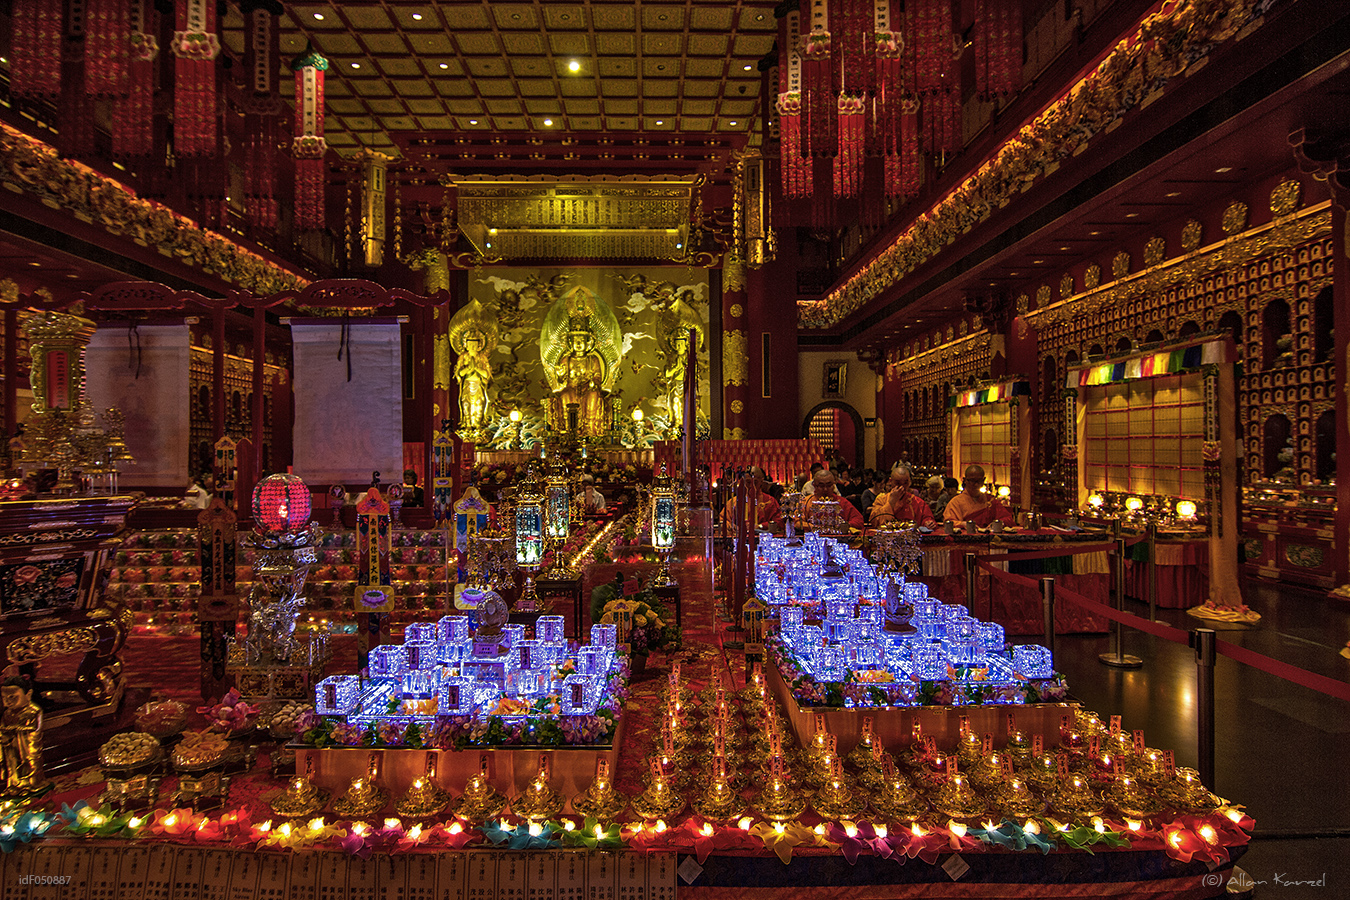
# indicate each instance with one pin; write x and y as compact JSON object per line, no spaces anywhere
{"x":1019,"y":748}
{"x":988,"y":772}
{"x":1015,"y":800}
{"x":600,"y":801}
{"x":720,"y":802}
{"x":969,"y":750}
{"x":1043,"y":771}
{"x":480,"y":801}
{"x":362,"y":800}
{"x":538,"y":802}
{"x":422,"y":801}
{"x":898,"y":801}
{"x":956,"y":799}
{"x":779,"y":803}
{"x":1187,"y":793}
{"x":658,"y":801}
{"x":1130,"y":798}
{"x":837,"y":799}
{"x":300,"y":800}
{"x":1074,"y":801}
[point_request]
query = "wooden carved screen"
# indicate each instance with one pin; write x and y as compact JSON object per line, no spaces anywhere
{"x":985,"y":437}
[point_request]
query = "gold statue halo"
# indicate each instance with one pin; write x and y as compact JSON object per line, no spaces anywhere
{"x":474,"y":317}
{"x":581,"y":303}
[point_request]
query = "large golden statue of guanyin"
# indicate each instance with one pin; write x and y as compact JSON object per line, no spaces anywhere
{"x":473,"y":336}
{"x":580,"y":346}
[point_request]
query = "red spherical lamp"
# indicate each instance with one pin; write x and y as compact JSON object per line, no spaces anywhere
{"x":281,"y":504}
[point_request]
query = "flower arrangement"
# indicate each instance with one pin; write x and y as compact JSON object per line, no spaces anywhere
{"x":230,"y":713}
{"x":649,"y":624}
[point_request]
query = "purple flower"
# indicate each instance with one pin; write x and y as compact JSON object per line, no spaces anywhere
{"x":307,"y":721}
{"x":347,"y":735}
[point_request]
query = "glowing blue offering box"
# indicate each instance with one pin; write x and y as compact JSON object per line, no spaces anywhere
{"x":420,"y":655}
{"x":550,"y":629}
{"x":337,"y":695}
{"x":457,"y":696}
{"x":929,"y":662}
{"x":992,"y":639}
{"x":452,"y":629}
{"x":387,"y":661}
{"x":580,"y":695}
{"x":419,"y":631}
{"x":605,"y":635}
{"x":1032,"y":661}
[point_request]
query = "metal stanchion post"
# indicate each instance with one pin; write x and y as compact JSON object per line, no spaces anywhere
{"x":1048,"y":610}
{"x":1204,"y":642}
{"x":1117,"y":658}
{"x":971,"y":571}
{"x":1153,"y":571}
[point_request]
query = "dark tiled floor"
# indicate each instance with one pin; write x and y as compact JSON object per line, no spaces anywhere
{"x":1281,"y":750}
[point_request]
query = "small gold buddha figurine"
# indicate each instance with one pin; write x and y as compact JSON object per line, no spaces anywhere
{"x":300,"y":800}
{"x":660,"y":800}
{"x":362,"y":800}
{"x":600,"y":800}
{"x":20,"y":740}
{"x":480,"y":800}
{"x":422,"y":800}
{"x":956,"y":799}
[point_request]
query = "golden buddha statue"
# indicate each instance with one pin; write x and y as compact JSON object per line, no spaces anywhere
{"x":20,"y":739}
{"x":473,"y":336}
{"x":678,"y":319}
{"x":580,"y":346}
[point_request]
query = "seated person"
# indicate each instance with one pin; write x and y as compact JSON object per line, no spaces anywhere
{"x":876,"y":486}
{"x":824,"y":489}
{"x":768,"y":515}
{"x":412,"y":492}
{"x":936,"y":495}
{"x":972,"y":506}
{"x":809,"y":486}
{"x":591,"y":500}
{"x":900,"y":504}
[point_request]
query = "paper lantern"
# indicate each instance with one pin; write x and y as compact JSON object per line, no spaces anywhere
{"x":281,"y":504}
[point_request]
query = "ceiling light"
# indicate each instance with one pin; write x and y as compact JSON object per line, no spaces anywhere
{"x":679,"y":246}
{"x":4,"y":60}
{"x":733,"y":123}
{"x":1174,"y":193}
{"x":1132,"y":215}
{"x":492,"y":231}
{"x":318,"y":17}
{"x":1064,"y":248}
{"x":356,"y":65}
{"x":660,"y":121}
{"x":548,"y":122}
{"x":473,"y":121}
{"x":488,"y":245}
{"x":748,"y":68}
{"x":417,"y":17}
{"x":445,"y":65}
{"x":1037,"y":262}
{"x":1094,"y":233}
{"x":1222,"y":170}
{"x":574,"y":66}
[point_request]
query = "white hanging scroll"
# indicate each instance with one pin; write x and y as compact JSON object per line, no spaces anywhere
{"x":345,"y":429}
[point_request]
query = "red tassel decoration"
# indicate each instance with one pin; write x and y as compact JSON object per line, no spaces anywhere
{"x":820,"y":135}
{"x":133,"y":128}
{"x":107,"y":44}
{"x":195,"y":46}
{"x":848,"y":163}
{"x":795,"y":168}
{"x":262,"y":110}
{"x":35,"y":55}
{"x":309,"y":147}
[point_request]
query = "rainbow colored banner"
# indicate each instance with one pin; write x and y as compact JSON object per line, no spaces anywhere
{"x":1167,"y":362}
{"x":992,"y":393}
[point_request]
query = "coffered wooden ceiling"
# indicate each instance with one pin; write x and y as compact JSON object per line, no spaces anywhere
{"x":667,"y":72}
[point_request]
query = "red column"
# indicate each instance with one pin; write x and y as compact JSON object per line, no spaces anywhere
{"x":735,"y":350}
{"x":218,"y":376}
{"x":259,"y":354}
{"x":11,"y":370}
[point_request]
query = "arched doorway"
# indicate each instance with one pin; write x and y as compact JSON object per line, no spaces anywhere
{"x":839,"y":430}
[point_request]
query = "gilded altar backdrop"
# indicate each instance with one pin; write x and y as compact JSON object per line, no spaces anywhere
{"x":636,"y":367}
{"x":144,"y":372}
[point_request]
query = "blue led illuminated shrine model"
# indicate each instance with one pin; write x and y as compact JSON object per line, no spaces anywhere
{"x":832,"y":606}
{"x":448,"y":669}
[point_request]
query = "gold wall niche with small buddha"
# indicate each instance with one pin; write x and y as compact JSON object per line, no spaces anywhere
{"x":605,"y":346}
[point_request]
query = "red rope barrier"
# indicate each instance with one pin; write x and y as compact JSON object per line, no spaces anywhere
{"x":1051,"y":554}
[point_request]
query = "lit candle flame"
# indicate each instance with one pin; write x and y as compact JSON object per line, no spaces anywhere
{"x":660,"y":825}
{"x":707,"y":829}
{"x":850,"y":829}
{"x":599,"y":832}
{"x":956,"y":828}
{"x":1031,"y":827}
{"x":744,"y":823}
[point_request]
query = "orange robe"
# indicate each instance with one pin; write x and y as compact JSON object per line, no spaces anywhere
{"x":768,"y":514}
{"x":846,"y":509}
{"x":897,"y":507}
{"x":962,"y":508}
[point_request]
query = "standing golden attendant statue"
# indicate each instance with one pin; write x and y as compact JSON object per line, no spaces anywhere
{"x":581,"y":345}
{"x":20,"y":740}
{"x":473,"y":336}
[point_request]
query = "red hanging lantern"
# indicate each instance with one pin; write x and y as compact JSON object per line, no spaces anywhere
{"x":309,"y":147}
{"x":281,"y":504}
{"x":133,"y":128}
{"x":195,"y":46}
{"x":38,"y":27}
{"x":262,"y":109}
{"x":107,"y":46}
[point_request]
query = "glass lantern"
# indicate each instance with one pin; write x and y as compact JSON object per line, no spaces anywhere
{"x":1032,"y":661}
{"x":529,"y":517}
{"x":663,"y":525}
{"x":337,"y":695}
{"x":557,"y":515}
